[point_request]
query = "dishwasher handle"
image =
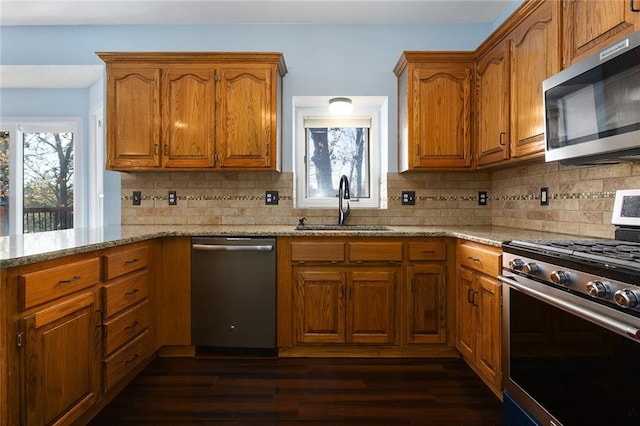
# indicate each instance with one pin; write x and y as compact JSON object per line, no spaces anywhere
{"x":231,"y":247}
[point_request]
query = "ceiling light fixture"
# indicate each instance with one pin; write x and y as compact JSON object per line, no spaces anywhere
{"x":340,"y":106}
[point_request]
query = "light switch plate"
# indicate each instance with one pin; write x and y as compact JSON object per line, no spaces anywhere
{"x":544,"y":196}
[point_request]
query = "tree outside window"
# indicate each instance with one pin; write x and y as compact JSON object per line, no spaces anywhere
{"x":48,"y":181}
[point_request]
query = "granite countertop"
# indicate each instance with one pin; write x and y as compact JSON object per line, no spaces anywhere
{"x":30,"y":248}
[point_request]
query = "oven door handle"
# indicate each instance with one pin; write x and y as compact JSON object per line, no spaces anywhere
{"x":601,"y":320}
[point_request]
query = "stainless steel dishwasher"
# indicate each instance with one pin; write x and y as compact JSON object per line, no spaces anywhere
{"x":233,"y":294}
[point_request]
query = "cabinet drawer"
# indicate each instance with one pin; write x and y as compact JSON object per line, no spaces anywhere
{"x":124,"y":261}
{"x":125,"y":360}
{"x":48,"y":284}
{"x":126,"y":325}
{"x":481,"y":258}
{"x":321,"y":251}
{"x":428,"y":250}
{"x":125,"y":292}
{"x":375,"y":252}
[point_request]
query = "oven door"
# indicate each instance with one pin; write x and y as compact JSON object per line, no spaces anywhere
{"x":569,"y":360}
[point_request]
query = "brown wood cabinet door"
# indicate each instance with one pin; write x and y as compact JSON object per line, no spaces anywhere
{"x":60,"y":361}
{"x":466,"y":319}
{"x":371,"y":307}
{"x":489,"y":326}
{"x":441,"y":116}
{"x":133,"y":118}
{"x":187,"y":115}
{"x":535,"y":56}
{"x":246,"y":117}
{"x":493,"y":105}
{"x":591,"y":25}
{"x":426,"y":302}
{"x":319,"y":310}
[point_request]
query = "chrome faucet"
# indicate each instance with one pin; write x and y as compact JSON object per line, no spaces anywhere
{"x":343,"y":194}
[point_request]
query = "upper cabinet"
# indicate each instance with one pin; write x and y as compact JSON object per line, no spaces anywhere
{"x":535,"y":56}
{"x":186,"y":111}
{"x":511,"y":67}
{"x":590,"y":25}
{"x":493,"y":105}
{"x":434,"y":110}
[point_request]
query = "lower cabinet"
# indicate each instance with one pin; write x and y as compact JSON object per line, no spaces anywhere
{"x":365,"y":296}
{"x":479,"y":320}
{"x":60,"y":359}
{"x":339,"y":306}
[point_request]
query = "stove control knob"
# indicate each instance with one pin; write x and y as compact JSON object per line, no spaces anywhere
{"x":516,"y":264}
{"x":530,"y":268}
{"x":627,"y":298}
{"x":560,"y":277}
{"x":597,"y":289}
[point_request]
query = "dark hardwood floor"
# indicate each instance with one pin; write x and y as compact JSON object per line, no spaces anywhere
{"x":289,"y":391}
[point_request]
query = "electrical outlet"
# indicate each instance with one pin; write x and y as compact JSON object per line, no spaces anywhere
{"x":482,"y":198}
{"x":408,"y":198}
{"x":172,"y":197}
{"x":137,"y":198}
{"x":271,"y":198}
{"x":544,"y":196}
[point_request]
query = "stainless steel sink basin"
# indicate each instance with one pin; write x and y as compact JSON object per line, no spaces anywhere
{"x":336,"y":227}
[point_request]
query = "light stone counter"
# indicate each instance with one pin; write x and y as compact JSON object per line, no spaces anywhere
{"x":37,"y":247}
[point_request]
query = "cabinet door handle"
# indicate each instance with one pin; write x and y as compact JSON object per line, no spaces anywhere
{"x":632,"y":7}
{"x":130,"y":360}
{"x":502,"y":135}
{"x":166,"y":149}
{"x":469,"y":296}
{"x":473,"y":299}
{"x":132,"y":292}
{"x":70,"y":280}
{"x":132,"y":325}
{"x":155,"y":149}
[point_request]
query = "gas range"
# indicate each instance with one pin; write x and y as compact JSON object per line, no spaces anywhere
{"x":606,"y":272}
{"x":603,"y":271}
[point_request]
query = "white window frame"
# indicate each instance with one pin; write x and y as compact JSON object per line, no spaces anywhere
{"x":16,"y":127}
{"x":372,"y":107}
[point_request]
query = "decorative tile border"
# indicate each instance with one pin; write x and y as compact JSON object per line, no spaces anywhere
{"x":206,"y":197}
{"x":526,"y":197}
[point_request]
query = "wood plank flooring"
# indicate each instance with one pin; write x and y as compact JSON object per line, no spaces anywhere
{"x":306,"y":391}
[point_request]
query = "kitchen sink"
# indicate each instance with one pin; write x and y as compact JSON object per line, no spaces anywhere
{"x":336,"y":227}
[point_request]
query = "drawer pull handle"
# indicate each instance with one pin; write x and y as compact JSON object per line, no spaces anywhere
{"x":130,"y":360}
{"x":70,"y":280}
{"x":428,"y":251}
{"x":132,"y":325}
{"x":132,"y":292}
{"x":473,"y":259}
{"x":129,"y":262}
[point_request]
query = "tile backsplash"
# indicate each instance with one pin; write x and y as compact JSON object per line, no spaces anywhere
{"x":580,"y":198}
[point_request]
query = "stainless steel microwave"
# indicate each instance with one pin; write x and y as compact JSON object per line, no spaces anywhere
{"x":592,"y":109}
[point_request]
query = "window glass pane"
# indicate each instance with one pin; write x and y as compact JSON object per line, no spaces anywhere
{"x":48,"y":181}
{"x":335,"y":151}
{"x":4,"y":183}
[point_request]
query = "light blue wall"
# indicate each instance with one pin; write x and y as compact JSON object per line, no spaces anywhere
{"x":322,"y":60}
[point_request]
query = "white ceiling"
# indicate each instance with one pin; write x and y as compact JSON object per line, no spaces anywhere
{"x":143,"y":12}
{"x":118,"y":12}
